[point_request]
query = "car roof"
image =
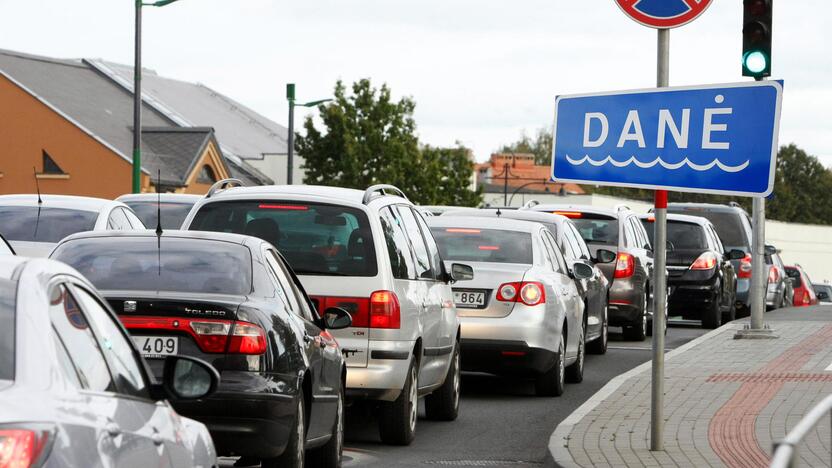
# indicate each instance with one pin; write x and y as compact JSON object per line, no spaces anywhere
{"x":521,"y":215}
{"x":319,"y":192}
{"x":482,"y":222}
{"x":10,"y":266}
{"x":677,"y":217}
{"x":580,"y":208}
{"x":57,"y":201}
{"x":705,"y":206}
{"x":164,"y":197}
{"x":171,"y":234}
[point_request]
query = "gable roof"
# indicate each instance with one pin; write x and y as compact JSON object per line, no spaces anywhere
{"x":173,"y":151}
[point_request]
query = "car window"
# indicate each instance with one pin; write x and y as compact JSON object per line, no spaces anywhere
{"x":65,"y":363}
{"x":420,"y":249}
{"x":135,"y":222}
{"x":597,"y":229}
{"x":298,"y":304}
{"x":43,"y":224}
{"x":74,"y":330}
{"x":484,"y":245}
{"x":398,"y":247}
{"x":794,"y":274}
{"x":279,"y":286}
{"x":118,"y":221}
{"x":433,"y":249}
{"x":729,"y":226}
{"x":8,"y":297}
{"x":554,"y":252}
{"x":124,"y":363}
{"x":173,"y":214}
{"x":629,"y":235}
{"x":573,"y":250}
{"x":579,"y":241}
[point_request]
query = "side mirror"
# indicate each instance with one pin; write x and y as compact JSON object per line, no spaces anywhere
{"x":188,"y":378}
{"x":582,"y":270}
{"x":336,"y":318}
{"x":461,"y":272}
{"x":736,"y":254}
{"x":605,"y":256}
{"x":770,"y":249}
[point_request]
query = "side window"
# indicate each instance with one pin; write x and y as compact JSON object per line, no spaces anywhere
{"x":118,"y":221}
{"x":630,"y":239}
{"x":573,"y":252}
{"x":64,"y":360}
{"x":433,"y":249}
{"x":641,"y":234}
{"x":557,"y":257}
{"x":300,"y":305}
{"x":717,"y":241}
{"x":580,"y":242}
{"x":279,"y":286}
{"x":74,"y":331}
{"x":420,"y":249}
{"x":401,"y":258}
{"x":134,"y":220}
{"x":115,"y":344}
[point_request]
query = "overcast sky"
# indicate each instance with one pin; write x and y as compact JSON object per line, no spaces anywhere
{"x":480,"y":71}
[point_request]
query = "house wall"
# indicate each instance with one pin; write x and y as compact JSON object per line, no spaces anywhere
{"x":211,"y":158}
{"x":29,"y":126}
{"x":274,"y":166}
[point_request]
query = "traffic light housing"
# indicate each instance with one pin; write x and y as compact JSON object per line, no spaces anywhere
{"x":756,"y":38}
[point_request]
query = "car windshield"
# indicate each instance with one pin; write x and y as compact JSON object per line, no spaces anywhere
{"x":728,"y":226}
{"x":823,"y":288}
{"x":683,"y":236}
{"x":43,"y":224}
{"x":166,"y":264}
{"x":794,"y":274}
{"x":597,"y":229}
{"x":8,"y":293}
{"x":173,"y":214}
{"x":483,"y":245}
{"x":316,"y":239}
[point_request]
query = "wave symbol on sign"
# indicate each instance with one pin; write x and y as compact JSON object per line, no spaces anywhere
{"x":646,"y":165}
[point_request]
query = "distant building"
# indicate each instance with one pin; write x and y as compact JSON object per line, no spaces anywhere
{"x":515,"y":178}
{"x":70,"y":122}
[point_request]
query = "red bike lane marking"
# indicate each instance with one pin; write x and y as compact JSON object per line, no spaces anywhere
{"x":731,"y":432}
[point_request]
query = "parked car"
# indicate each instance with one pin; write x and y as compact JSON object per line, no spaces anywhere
{"x":371,"y":253}
{"x":5,"y":247}
{"x":74,"y":391}
{"x":804,"y":293}
{"x":823,"y":292}
{"x":568,"y":240}
{"x":779,"y":291}
{"x":700,"y":274}
{"x":522,"y":314}
{"x":620,"y":231}
{"x":34,"y":224}
{"x":174,"y":207}
{"x":232,"y":301}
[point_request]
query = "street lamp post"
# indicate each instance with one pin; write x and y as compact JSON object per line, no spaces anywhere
{"x":137,"y":94}
{"x":290,"y":96}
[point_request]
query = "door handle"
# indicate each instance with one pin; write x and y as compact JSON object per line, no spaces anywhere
{"x":156,"y":437}
{"x":112,"y":429}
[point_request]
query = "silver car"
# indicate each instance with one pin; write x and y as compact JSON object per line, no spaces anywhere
{"x":522,"y":313}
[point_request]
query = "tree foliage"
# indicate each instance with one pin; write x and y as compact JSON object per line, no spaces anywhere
{"x":540,"y":145}
{"x":369,"y":138}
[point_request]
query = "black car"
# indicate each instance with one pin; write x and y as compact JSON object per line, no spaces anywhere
{"x":75,"y":392}
{"x":232,"y":301}
{"x":700,"y":274}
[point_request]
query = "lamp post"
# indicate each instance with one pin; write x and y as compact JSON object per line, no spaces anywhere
{"x":137,"y":94}
{"x":290,"y":96}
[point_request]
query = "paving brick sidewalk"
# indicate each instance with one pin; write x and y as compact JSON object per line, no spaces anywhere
{"x":726,"y":401}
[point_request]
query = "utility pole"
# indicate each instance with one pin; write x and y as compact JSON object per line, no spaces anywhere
{"x":137,"y":102}
{"x":290,"y":161}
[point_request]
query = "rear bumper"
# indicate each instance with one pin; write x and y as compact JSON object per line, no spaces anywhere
{"x":386,"y":371}
{"x":625,"y":303}
{"x":505,"y":357}
{"x":692,"y":299}
{"x":743,"y":288}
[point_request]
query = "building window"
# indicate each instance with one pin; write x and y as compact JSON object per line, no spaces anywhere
{"x":206,"y":175}
{"x":50,"y":166}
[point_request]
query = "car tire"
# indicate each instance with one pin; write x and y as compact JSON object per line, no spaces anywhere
{"x":551,"y":383}
{"x":329,"y":456}
{"x":712,"y":317}
{"x":293,"y":455}
{"x":638,"y":332}
{"x":397,"y":421}
{"x":743,"y":311}
{"x":729,"y":316}
{"x":443,"y":403}
{"x":575,"y":372}
{"x":599,"y":345}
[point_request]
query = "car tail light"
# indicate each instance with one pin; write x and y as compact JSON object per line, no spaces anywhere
{"x":806,"y":299}
{"x":569,"y":214}
{"x":212,"y":336}
{"x":530,"y":293}
{"x":773,"y":275}
{"x":745,"y":267}
{"x":625,"y":265}
{"x":706,"y":261}
{"x":23,"y":447}
{"x":385,"y":311}
{"x":267,"y":206}
{"x":247,"y":338}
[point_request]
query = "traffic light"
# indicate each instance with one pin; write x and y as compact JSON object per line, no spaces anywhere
{"x":756,"y":38}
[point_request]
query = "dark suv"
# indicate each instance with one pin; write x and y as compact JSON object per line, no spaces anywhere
{"x":618,"y":230}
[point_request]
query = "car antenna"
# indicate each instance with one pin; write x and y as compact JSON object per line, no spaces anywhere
{"x":499,"y":213}
{"x":159,"y":222}
{"x":40,"y":201}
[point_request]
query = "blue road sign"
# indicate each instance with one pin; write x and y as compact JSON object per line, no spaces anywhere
{"x":718,"y":139}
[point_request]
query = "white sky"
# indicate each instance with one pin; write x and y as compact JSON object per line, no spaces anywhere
{"x":479,"y":71}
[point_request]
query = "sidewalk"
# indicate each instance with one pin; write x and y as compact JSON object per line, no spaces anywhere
{"x":726,"y":401}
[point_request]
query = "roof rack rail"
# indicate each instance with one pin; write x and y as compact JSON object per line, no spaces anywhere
{"x":620,"y":207}
{"x":734,"y":204}
{"x":381,"y":188}
{"x":529,"y":204}
{"x":224,"y":184}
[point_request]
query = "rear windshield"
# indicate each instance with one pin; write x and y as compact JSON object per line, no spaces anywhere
{"x":173,"y":214}
{"x":596,"y":229}
{"x":683,"y":236}
{"x":823,"y":287}
{"x":483,"y":245}
{"x":7,"y":319}
{"x":794,"y":274}
{"x":728,"y":226}
{"x":44,"y":224}
{"x":181,"y":265}
{"x":316,"y":239}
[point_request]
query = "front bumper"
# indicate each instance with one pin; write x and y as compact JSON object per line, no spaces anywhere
{"x":505,"y":357}
{"x":386,"y":371}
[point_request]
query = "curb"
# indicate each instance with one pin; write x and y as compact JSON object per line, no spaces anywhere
{"x":560,"y":438}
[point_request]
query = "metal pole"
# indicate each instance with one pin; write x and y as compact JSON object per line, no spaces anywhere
{"x":505,"y":184}
{"x":137,"y":103}
{"x":290,"y":95}
{"x":758,"y":263}
{"x":659,"y":279}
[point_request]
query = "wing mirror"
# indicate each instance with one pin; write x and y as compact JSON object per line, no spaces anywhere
{"x":336,"y":318}
{"x":605,"y":256}
{"x":582,"y":270}
{"x":461,"y":272}
{"x":770,"y":249}
{"x":186,"y":378}
{"x":736,"y":254}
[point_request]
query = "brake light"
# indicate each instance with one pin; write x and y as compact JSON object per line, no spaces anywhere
{"x":625,"y":265}
{"x":530,"y":293}
{"x":283,"y":207}
{"x":745,"y":267}
{"x":773,"y":275}
{"x":569,"y":214}
{"x":706,"y":261}
{"x":806,"y":299}
{"x":385,"y":311}
{"x":22,"y":447}
{"x":247,"y":338}
{"x":489,"y":247}
{"x":211,"y":336}
{"x":463,"y":231}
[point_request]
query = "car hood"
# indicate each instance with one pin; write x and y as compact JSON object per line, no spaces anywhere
{"x":32,"y":249}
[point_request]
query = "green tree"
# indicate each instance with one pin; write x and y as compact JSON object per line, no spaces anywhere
{"x":540,"y":146}
{"x":369,"y":138}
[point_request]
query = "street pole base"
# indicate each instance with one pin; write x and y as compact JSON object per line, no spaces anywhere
{"x":749,"y":333}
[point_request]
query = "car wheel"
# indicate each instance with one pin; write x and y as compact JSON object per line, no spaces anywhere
{"x":712,"y":318}
{"x":329,"y":456}
{"x":575,"y":372}
{"x":599,"y":345}
{"x":293,"y":455}
{"x":730,"y":315}
{"x":638,"y":332}
{"x":443,"y":403}
{"x":397,"y":424}
{"x":551,"y":383}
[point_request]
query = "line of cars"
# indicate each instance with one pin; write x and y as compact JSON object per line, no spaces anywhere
{"x":274,"y":307}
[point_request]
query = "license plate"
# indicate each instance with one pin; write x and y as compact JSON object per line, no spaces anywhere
{"x":156,"y":346}
{"x":469,"y":298}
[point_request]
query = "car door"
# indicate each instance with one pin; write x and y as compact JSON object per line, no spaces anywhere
{"x":566,"y":295}
{"x":729,"y":278}
{"x":442,"y":292}
{"x":589,"y":288}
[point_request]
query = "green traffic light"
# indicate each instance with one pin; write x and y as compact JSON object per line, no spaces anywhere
{"x":755,"y":61}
